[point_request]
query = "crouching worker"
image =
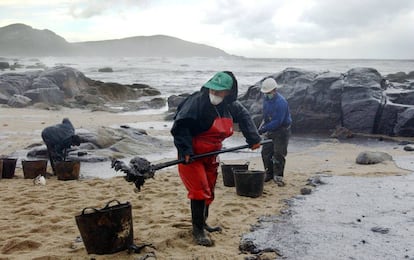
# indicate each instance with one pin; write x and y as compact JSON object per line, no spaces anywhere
{"x":201,"y":123}
{"x":58,"y":138}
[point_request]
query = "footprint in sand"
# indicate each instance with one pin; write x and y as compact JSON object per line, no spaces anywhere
{"x":182,"y":225}
{"x":17,"y":245}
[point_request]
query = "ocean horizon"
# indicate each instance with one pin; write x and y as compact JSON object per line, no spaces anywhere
{"x":173,"y":76}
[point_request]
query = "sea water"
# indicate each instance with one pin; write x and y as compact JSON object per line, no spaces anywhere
{"x":186,"y":75}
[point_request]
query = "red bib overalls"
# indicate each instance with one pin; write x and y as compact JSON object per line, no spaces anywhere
{"x":199,"y":177}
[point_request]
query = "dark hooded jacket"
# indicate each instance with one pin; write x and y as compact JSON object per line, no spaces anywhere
{"x":196,"y":115}
{"x":59,"y":137}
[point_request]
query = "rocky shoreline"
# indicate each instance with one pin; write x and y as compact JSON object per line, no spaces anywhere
{"x":68,"y":87}
{"x":361,"y":99}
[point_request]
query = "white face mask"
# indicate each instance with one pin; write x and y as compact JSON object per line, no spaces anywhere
{"x":215,"y":100}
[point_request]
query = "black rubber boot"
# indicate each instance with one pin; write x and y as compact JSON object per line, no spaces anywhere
{"x":268,"y":177}
{"x":267,"y":158}
{"x":197,"y":214}
{"x":206,"y":226}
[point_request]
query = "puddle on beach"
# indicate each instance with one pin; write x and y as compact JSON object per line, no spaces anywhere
{"x":152,"y":125}
{"x":103,"y":170}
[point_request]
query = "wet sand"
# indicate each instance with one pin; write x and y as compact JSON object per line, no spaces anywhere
{"x":38,"y":222}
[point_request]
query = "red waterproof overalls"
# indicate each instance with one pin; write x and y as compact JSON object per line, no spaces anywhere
{"x":199,"y":177}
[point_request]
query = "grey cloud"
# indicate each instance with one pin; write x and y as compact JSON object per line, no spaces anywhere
{"x":250,"y":22}
{"x":257,"y":25}
{"x":86,"y":10}
{"x":335,"y":19}
{"x":91,"y":8}
{"x":355,"y":12}
{"x":325,"y":21}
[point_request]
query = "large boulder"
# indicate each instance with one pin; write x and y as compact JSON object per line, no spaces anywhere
{"x":389,"y":119}
{"x":400,"y":77}
{"x":16,"y":83}
{"x":88,"y":99}
{"x":4,"y":65}
{"x":402,"y":97}
{"x":360,"y":100}
{"x":314,"y":99}
{"x":19,"y":101}
{"x":46,"y":95}
{"x":174,"y":100}
{"x":105,"y":143}
{"x":65,"y":85}
{"x":405,"y":123}
{"x":316,"y":103}
{"x":3,"y":99}
{"x":69,"y":80}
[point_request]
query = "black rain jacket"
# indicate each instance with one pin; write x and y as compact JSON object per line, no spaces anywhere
{"x":196,"y":115}
{"x":59,"y":137}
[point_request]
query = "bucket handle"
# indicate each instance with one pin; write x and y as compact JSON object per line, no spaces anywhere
{"x":96,"y":210}
{"x":246,"y":163}
{"x":107,"y":204}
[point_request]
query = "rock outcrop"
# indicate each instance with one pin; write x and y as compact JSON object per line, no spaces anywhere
{"x":70,"y":87}
{"x":361,"y":100}
{"x":4,"y":65}
{"x":105,"y":143}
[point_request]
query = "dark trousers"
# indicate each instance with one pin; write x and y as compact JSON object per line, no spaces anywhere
{"x":273,"y":154}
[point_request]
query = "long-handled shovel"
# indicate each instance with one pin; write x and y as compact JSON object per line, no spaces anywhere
{"x":140,"y":169}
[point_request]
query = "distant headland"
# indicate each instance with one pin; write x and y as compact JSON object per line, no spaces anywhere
{"x":23,"y":40}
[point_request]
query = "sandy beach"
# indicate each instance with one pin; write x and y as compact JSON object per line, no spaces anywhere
{"x":38,"y":222}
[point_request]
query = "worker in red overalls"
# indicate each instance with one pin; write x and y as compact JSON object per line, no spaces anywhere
{"x":203,"y":120}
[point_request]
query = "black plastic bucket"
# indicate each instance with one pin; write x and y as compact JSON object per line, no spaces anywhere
{"x":34,"y":168}
{"x":9,"y":166}
{"x":249,"y":183}
{"x":107,"y":230}
{"x":67,"y":170}
{"x":227,"y":170}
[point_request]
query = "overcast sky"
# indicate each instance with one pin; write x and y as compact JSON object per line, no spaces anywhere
{"x":374,"y":29}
